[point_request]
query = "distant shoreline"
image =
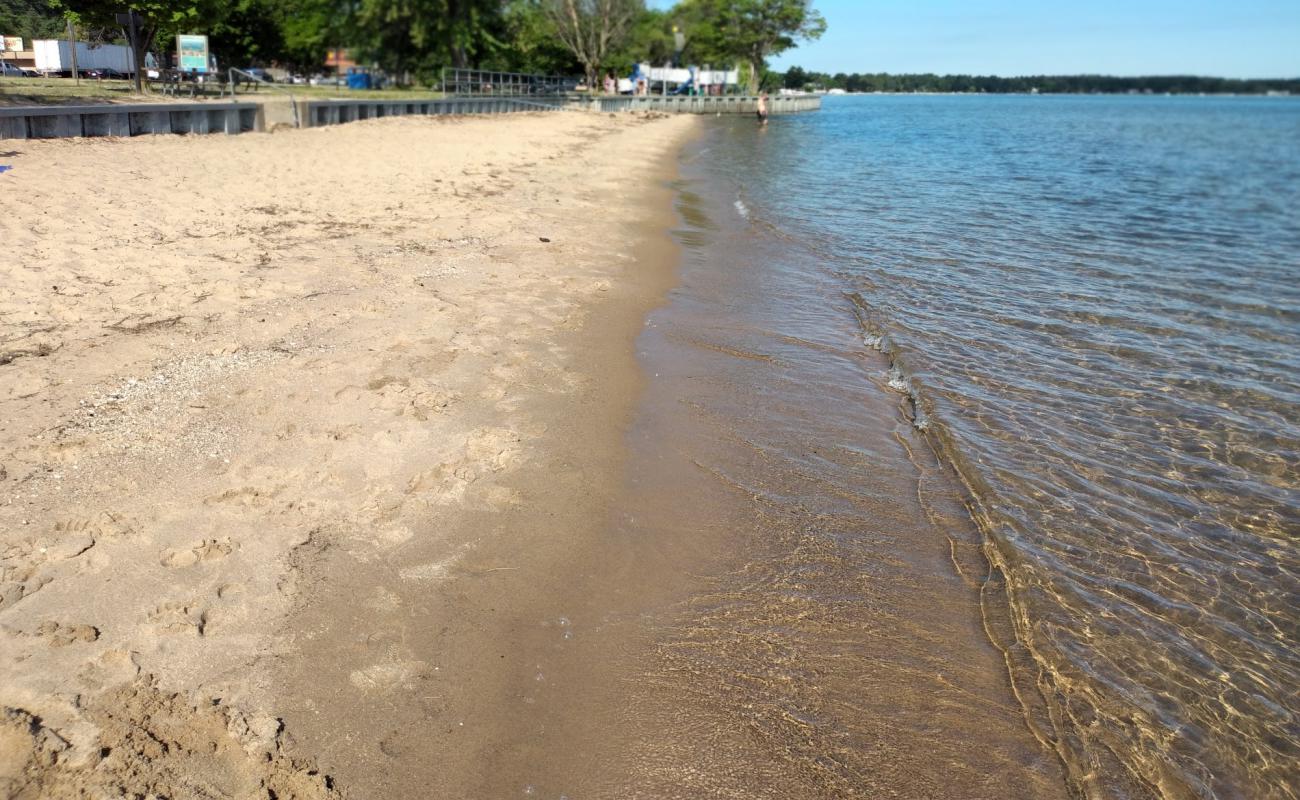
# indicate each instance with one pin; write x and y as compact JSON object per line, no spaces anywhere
{"x":930,"y":83}
{"x":1274,"y":94}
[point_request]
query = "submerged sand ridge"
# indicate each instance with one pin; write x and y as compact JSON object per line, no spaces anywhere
{"x":227,"y":364}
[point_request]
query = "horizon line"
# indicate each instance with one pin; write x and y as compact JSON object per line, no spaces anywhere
{"x":1134,"y":76}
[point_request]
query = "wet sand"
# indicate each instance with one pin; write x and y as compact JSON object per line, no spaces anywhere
{"x":832,"y":642}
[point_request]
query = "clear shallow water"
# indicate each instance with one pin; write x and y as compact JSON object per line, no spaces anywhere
{"x":1095,"y":304}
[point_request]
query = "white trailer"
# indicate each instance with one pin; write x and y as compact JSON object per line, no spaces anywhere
{"x":55,"y":56}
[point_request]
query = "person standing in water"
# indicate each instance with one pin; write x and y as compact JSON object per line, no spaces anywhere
{"x":762,"y":109}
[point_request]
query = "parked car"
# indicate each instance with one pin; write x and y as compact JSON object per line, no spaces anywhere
{"x":13,"y":70}
{"x":103,"y":72}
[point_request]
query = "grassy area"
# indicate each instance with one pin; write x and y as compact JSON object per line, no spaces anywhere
{"x":65,"y":91}
{"x":319,"y":92}
{"x":61,"y":91}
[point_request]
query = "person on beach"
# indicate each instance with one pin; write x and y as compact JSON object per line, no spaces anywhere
{"x":611,"y":85}
{"x":762,"y":109}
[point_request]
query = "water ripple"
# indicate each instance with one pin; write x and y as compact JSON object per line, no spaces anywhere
{"x":1095,"y":303}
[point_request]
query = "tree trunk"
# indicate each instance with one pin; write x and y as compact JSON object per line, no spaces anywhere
{"x":147,"y":36}
{"x":757,"y":57}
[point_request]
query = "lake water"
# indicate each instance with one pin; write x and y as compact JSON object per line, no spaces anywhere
{"x":1090,"y":309}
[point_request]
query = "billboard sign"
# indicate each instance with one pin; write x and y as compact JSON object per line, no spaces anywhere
{"x":192,"y":53}
{"x":12,"y":44}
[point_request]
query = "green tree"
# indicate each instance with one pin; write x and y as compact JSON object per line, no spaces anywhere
{"x":706,"y":40}
{"x":30,"y":19}
{"x":749,"y":31}
{"x":250,"y":32}
{"x":527,"y":42}
{"x":311,"y":28}
{"x":419,"y":36}
{"x":162,"y":19}
{"x":593,"y":29}
{"x":649,"y":39}
{"x":795,"y":78}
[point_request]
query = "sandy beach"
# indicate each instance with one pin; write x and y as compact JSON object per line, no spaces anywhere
{"x":242,"y":377}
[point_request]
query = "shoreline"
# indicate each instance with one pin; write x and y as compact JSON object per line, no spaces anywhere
{"x":482,"y":666}
{"x":331,"y":358}
{"x":831,"y":641}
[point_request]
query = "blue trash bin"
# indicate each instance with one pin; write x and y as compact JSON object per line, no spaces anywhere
{"x":358,"y":79}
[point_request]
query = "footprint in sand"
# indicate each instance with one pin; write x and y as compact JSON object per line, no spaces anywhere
{"x":246,"y":496}
{"x":54,"y":633}
{"x":388,"y":675}
{"x":19,"y":582}
{"x":180,"y":617}
{"x":487,"y":450}
{"x":348,"y":394}
{"x":207,"y":550}
{"x":60,"y":634}
{"x":414,"y":398}
{"x":493,"y":448}
{"x":29,"y":565}
{"x":445,"y":483}
{"x":113,"y":526}
{"x":110,"y":668}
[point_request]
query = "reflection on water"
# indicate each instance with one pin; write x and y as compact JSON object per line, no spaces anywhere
{"x":1095,"y":303}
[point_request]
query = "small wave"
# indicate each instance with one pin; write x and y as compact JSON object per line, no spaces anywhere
{"x":874,"y":337}
{"x":898,"y":381}
{"x":741,"y":208}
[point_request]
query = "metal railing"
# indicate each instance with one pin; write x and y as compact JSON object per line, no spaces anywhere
{"x":174,"y":82}
{"x":490,"y":83}
{"x":257,"y":80}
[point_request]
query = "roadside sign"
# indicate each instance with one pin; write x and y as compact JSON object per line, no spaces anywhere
{"x":11,"y":43}
{"x":192,"y":52}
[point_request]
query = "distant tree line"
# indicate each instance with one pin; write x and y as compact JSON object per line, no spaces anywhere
{"x":30,"y":19}
{"x":413,"y":39}
{"x":799,"y":78}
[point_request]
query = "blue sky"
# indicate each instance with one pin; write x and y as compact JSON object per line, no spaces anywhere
{"x":1231,"y":38}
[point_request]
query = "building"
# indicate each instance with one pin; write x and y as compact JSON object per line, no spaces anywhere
{"x":17,"y":52}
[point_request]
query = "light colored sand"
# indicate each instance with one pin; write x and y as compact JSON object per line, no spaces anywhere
{"x":220,"y":356}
